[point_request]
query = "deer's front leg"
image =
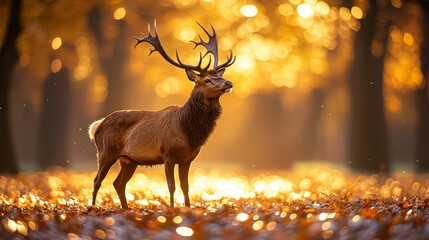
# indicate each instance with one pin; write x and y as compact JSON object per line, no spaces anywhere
{"x":169,"y":174}
{"x":184,"y":185}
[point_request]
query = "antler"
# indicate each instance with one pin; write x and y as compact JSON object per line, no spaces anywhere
{"x":156,"y":43}
{"x":210,"y":45}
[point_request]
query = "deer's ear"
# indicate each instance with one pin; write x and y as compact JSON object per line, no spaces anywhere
{"x":221,"y":72}
{"x":192,"y":76}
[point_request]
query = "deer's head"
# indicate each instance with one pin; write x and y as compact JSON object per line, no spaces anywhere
{"x":209,"y":82}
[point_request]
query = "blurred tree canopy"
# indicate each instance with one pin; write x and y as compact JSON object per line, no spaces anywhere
{"x":326,"y":80}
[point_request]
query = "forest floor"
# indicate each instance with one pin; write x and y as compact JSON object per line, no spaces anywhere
{"x":308,"y":202}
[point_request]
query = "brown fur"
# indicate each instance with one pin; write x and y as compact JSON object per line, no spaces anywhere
{"x":171,"y":136}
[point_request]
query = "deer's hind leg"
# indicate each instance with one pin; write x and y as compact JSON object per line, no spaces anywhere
{"x":128,"y":168}
{"x":105,"y":162}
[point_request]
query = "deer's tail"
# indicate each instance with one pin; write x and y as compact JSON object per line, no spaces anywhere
{"x":93,"y":127}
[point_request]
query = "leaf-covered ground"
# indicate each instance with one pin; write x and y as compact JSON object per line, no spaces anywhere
{"x":308,"y":202}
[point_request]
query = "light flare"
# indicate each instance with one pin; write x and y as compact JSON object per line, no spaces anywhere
{"x":249,"y":10}
{"x":305,"y":10}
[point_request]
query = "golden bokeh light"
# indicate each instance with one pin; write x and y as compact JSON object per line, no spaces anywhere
{"x":100,"y":234}
{"x":99,"y":89}
{"x":258,"y":225}
{"x":119,"y":13}
{"x":184,"y":3}
{"x":396,"y":3}
{"x":249,"y":10}
{"x":305,"y":10}
{"x":185,"y":34}
{"x":356,"y":218}
{"x":177,"y":219}
{"x":357,"y":12}
{"x":393,"y":103}
{"x":185,"y":231}
{"x":83,"y":68}
{"x":258,"y":202}
{"x":285,"y":9}
{"x":408,"y":39}
{"x":56,"y":43}
{"x":242,"y":217}
{"x":169,"y":86}
{"x":402,"y":62}
{"x":322,"y":8}
{"x":56,"y":65}
{"x":245,"y":62}
{"x":271,"y":226}
{"x":271,"y":48}
{"x":161,"y":219}
{"x":326,"y":226}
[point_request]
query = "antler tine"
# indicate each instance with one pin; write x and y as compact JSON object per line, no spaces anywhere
{"x":197,"y":68}
{"x":201,"y":60}
{"x":157,"y":46}
{"x":229,"y":61}
{"x":140,"y":40}
{"x":210,"y":45}
{"x":208,"y":64}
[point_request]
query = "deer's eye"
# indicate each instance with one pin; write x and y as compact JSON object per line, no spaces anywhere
{"x":208,"y":80}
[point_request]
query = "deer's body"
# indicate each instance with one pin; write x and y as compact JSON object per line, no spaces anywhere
{"x":170,"y":136}
{"x":154,"y":137}
{"x":149,"y":137}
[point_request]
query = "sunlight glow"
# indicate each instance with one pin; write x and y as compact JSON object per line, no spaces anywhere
{"x":186,"y":33}
{"x":258,"y":201}
{"x":245,"y":62}
{"x":99,"y":88}
{"x":285,"y":9}
{"x":305,"y":10}
{"x":169,"y":86}
{"x":249,"y":10}
{"x":84,"y":64}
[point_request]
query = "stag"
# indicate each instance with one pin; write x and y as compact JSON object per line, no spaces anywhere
{"x":170,"y":136}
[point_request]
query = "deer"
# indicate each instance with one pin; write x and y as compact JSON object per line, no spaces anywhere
{"x":172,"y":136}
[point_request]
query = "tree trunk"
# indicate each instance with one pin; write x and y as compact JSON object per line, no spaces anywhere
{"x":368,"y":138}
{"x":422,"y":142}
{"x":54,"y":121}
{"x":8,"y":57}
{"x":113,"y":55}
{"x":266,"y":146}
{"x":310,"y":130}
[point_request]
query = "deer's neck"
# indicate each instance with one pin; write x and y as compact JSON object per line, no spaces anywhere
{"x":198,"y":118}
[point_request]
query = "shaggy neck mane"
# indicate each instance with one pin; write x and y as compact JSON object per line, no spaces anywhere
{"x":198,"y":118}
